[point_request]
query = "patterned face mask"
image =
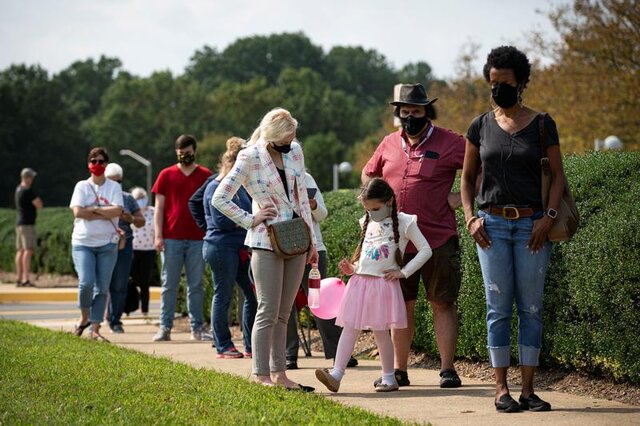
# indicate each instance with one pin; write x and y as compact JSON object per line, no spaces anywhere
{"x":186,"y":158}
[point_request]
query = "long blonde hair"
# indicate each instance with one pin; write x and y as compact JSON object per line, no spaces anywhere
{"x":274,"y":126}
{"x":228,"y":158}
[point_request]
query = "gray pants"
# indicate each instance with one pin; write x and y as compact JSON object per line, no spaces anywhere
{"x":329,"y":331}
{"x":277,"y":281}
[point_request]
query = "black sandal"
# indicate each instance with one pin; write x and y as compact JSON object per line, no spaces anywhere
{"x":534,"y":403}
{"x":80,"y":328}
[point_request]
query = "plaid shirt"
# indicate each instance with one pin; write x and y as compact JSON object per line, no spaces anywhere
{"x":254,"y":169}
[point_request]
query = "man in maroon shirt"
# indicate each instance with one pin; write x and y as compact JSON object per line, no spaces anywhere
{"x":420,"y":163}
{"x":178,"y":238}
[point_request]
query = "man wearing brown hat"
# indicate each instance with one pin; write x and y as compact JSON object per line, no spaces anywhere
{"x":27,"y":204}
{"x":420,"y":161}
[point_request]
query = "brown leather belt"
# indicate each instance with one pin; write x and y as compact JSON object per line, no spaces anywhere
{"x":509,"y":212}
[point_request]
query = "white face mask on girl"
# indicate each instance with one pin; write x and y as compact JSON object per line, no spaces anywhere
{"x":381,"y":214}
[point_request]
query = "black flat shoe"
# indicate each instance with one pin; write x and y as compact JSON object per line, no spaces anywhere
{"x":506,"y":404}
{"x":533,"y":403}
{"x":450,"y":379}
{"x":401,"y":377}
{"x":292,"y":365}
{"x":352,"y":362}
{"x":302,"y":388}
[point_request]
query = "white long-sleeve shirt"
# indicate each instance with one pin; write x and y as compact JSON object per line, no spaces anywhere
{"x":379,"y":247}
{"x":319,"y":214}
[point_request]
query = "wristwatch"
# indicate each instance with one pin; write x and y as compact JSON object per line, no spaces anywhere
{"x":552,"y":213}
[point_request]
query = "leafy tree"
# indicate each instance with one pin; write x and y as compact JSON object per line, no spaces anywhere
{"x":146,"y":115}
{"x":321,"y":152}
{"x":416,"y":72}
{"x":38,"y":131}
{"x":84,"y":82}
{"x":593,"y":87}
{"x":365,"y":74}
{"x":266,"y":56}
{"x":205,"y":68}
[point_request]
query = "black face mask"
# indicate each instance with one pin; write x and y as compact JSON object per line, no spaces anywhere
{"x":281,"y":148}
{"x":504,"y":95}
{"x":414,"y":125}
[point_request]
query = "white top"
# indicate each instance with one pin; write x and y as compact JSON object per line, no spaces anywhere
{"x":95,"y":233}
{"x":319,"y":214}
{"x":379,"y":247}
{"x":143,"y":238}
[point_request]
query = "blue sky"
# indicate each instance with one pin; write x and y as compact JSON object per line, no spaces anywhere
{"x":163,"y":34}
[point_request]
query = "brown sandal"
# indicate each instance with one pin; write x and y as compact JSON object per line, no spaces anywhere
{"x":80,"y":328}
{"x":95,"y":335}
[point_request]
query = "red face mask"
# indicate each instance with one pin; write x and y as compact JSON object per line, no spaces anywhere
{"x":97,"y":169}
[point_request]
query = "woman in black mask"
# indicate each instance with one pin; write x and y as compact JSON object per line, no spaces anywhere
{"x":510,"y":228}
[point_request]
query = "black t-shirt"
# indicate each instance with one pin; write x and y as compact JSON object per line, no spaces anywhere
{"x":510,"y":162}
{"x":24,"y":205}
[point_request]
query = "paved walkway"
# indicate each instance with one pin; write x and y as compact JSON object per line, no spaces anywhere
{"x":421,"y":402}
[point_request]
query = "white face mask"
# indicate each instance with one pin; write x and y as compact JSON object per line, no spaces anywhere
{"x":142,"y":202}
{"x":381,"y":214}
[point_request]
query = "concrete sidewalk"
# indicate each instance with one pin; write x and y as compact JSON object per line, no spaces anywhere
{"x":421,"y":402}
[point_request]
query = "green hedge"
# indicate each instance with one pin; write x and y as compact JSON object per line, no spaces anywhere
{"x":592,"y":295}
{"x":54,"y":226}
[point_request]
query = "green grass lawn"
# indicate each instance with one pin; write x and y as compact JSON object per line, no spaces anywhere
{"x":50,"y":377}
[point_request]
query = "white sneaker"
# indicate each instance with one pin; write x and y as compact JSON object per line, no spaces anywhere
{"x":201,"y":334}
{"x":163,"y":335}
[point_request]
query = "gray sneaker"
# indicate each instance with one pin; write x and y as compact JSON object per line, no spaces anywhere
{"x":201,"y":334}
{"x":163,"y":335}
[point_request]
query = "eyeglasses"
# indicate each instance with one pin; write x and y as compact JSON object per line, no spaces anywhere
{"x":95,"y":161}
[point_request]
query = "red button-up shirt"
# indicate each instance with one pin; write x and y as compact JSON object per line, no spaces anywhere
{"x":422,"y":176}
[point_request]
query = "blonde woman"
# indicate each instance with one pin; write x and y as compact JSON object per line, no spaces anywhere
{"x":272,"y":171}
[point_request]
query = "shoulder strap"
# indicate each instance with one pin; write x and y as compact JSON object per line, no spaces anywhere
{"x":543,"y":134}
{"x":94,"y":192}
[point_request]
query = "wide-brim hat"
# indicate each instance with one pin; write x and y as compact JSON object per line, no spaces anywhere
{"x":413,"y":94}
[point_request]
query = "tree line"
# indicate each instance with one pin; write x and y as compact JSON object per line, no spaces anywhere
{"x":49,"y":122}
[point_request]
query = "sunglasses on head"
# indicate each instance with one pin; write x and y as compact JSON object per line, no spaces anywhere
{"x":94,"y":161}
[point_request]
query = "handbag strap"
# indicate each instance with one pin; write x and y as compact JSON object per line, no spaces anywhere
{"x":544,"y":159}
{"x":98,"y":201}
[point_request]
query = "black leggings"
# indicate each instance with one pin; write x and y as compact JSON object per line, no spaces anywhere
{"x":141,"y":268}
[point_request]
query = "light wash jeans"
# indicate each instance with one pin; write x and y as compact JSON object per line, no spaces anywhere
{"x":94,"y":266}
{"x":510,"y":270}
{"x":119,"y":284}
{"x":227,"y":270}
{"x":178,"y":253}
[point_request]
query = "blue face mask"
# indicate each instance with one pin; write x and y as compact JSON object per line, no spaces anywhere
{"x":142,"y":202}
{"x":381,"y":214}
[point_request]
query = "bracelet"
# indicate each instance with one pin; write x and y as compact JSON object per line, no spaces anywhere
{"x":468,"y":224}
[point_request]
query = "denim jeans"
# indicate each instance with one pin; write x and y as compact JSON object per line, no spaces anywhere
{"x":94,"y":266}
{"x":178,"y":253}
{"x":119,"y":283}
{"x":226,"y":270}
{"x":510,"y":270}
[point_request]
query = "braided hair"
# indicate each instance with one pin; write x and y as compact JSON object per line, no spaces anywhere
{"x":379,"y":189}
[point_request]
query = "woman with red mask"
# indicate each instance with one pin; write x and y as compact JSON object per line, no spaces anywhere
{"x":96,"y":204}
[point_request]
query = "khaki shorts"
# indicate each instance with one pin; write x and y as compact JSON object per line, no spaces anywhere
{"x":26,"y":237}
{"x":441,"y":275}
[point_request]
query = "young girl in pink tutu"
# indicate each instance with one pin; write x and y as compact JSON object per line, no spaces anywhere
{"x":373,"y":298}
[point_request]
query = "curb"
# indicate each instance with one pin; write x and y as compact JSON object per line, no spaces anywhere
{"x":11,"y":294}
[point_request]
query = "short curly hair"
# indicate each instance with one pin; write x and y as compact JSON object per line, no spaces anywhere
{"x":508,"y":57}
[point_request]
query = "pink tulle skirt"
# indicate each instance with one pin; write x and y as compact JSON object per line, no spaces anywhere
{"x":372,"y":303}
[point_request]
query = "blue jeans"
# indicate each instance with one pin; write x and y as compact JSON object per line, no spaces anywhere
{"x":176,"y":254}
{"x":119,"y":283}
{"x":227,"y":269}
{"x":510,"y":270}
{"x":94,"y":266}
